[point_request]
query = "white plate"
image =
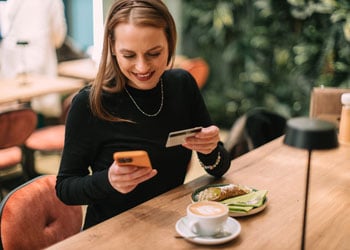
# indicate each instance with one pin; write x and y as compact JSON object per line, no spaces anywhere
{"x":232,"y":227}
{"x":194,"y":198}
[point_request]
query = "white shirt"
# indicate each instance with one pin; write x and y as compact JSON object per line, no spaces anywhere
{"x":42,"y":24}
{"x":39,"y":22}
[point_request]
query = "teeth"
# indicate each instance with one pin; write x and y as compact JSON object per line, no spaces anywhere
{"x":145,"y":75}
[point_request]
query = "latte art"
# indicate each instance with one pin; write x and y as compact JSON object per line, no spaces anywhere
{"x":208,"y":209}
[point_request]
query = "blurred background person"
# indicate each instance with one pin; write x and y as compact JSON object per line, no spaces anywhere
{"x":31,"y":31}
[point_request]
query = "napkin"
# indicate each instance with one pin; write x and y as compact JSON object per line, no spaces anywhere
{"x":241,"y":209}
{"x":246,"y":202}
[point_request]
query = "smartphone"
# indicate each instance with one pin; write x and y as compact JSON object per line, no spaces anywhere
{"x":178,"y":137}
{"x":137,"y":158}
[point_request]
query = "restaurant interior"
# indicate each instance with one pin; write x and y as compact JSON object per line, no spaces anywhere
{"x":295,"y":153}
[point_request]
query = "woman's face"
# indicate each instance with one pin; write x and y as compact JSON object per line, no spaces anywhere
{"x":142,"y":54}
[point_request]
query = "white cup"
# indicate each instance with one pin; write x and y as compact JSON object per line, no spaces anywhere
{"x":206,"y":218}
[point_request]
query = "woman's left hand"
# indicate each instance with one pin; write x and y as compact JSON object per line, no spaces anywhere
{"x":205,"y":141}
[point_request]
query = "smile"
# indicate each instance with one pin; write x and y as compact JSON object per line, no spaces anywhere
{"x":143,"y":77}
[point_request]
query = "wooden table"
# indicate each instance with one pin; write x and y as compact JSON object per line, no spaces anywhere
{"x":276,"y":167}
{"x":13,"y":90}
{"x":85,"y":69}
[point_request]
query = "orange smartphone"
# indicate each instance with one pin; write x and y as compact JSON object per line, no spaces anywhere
{"x":137,"y":158}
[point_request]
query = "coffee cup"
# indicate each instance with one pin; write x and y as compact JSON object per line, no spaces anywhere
{"x":206,"y":218}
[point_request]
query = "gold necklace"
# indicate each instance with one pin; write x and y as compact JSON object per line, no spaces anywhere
{"x":138,"y":107}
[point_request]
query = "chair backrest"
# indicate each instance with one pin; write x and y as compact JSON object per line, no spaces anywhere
{"x":16,"y":125}
{"x":325,"y":103}
{"x":197,"y":67}
{"x":32,"y":217}
{"x":66,"y":106}
{"x":253,"y":129}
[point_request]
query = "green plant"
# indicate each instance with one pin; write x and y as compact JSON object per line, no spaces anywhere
{"x":267,"y":53}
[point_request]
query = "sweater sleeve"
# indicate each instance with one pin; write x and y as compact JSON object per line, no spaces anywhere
{"x":202,"y":117}
{"x":75,"y":185}
{"x":209,"y":159}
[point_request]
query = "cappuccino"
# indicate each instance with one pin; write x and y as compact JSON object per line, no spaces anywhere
{"x":206,"y":218}
{"x":206,"y":208}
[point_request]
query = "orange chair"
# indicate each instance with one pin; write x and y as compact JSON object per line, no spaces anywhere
{"x":49,"y":139}
{"x":197,"y":67}
{"x":16,"y":125}
{"x":32,"y":217}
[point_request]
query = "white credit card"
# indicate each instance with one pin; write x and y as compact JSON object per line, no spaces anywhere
{"x":178,"y":137}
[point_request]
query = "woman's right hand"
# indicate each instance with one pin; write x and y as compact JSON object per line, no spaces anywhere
{"x":125,"y":178}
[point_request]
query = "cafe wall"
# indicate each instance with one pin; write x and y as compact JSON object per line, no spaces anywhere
{"x":79,"y":14}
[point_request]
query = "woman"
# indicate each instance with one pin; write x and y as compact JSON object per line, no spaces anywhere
{"x":133,"y":105}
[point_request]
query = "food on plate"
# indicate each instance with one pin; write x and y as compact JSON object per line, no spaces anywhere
{"x":241,"y":200}
{"x":220,"y":193}
{"x":247,"y":201}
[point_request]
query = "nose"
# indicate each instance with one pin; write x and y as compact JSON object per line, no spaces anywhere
{"x":142,"y":65}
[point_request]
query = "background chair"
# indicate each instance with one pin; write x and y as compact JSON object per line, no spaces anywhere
{"x":16,"y":125}
{"x":252,"y":130}
{"x":32,"y":217}
{"x":47,"y":140}
{"x":197,"y":67}
{"x":325,"y":103}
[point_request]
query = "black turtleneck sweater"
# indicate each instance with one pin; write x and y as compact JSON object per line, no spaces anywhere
{"x":90,"y":143}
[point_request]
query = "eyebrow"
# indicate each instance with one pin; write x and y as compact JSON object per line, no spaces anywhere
{"x":151,"y":49}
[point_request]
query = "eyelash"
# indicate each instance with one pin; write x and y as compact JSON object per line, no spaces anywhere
{"x":150,"y":55}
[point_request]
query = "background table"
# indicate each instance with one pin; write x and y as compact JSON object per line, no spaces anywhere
{"x":276,"y":167}
{"x":85,"y":69}
{"x":13,"y":90}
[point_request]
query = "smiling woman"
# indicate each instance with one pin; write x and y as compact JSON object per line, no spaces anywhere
{"x":135,"y":101}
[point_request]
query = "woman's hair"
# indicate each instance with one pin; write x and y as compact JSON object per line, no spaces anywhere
{"x":109,"y":77}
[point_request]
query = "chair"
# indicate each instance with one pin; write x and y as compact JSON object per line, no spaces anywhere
{"x":16,"y":125}
{"x":48,"y":139}
{"x":325,"y":103}
{"x":32,"y":217}
{"x":197,"y":67}
{"x":252,"y":130}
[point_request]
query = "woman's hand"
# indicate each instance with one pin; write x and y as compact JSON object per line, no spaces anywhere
{"x":125,"y":178}
{"x":205,"y":141}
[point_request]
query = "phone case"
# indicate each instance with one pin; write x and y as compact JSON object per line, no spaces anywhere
{"x":132,"y":158}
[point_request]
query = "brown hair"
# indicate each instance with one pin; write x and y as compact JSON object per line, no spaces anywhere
{"x":109,"y":76}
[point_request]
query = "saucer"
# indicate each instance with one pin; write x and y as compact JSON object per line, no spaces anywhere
{"x":232,"y":227}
